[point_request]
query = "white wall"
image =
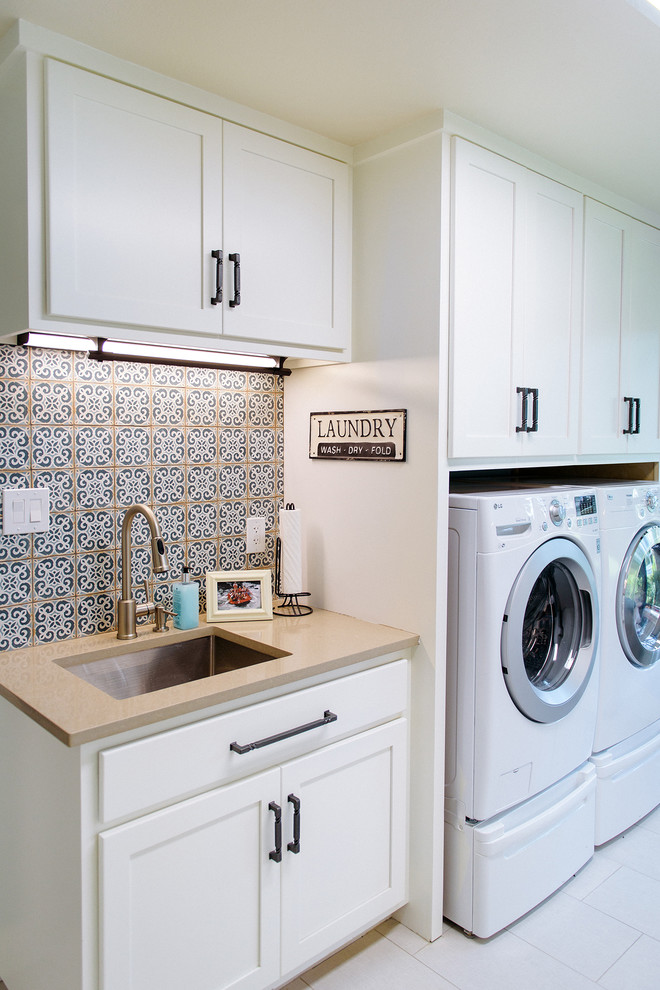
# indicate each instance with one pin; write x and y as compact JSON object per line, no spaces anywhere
{"x":375,"y":532}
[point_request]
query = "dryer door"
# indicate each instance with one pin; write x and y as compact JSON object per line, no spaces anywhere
{"x":638,"y":599}
{"x":550,"y":631}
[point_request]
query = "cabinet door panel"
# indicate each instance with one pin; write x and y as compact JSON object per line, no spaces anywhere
{"x":286,"y":214}
{"x":485,"y":360}
{"x":351,"y":865}
{"x":134,"y":205}
{"x":189,"y":896}
{"x":640,"y":349}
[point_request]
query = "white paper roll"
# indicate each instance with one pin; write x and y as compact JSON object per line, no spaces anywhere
{"x":291,"y":552}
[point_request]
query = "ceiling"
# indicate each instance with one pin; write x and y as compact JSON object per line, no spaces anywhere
{"x":576,"y":81}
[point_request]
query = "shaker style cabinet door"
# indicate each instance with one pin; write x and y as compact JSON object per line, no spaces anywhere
{"x":287,"y":242}
{"x":640,"y":349}
{"x":189,"y":896}
{"x":133,"y":205}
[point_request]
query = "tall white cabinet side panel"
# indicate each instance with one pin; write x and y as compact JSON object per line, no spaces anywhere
{"x":486,"y":359}
{"x":640,"y":349}
{"x":134,"y":205}
{"x":553,"y":311}
{"x":287,"y":216}
{"x":605,"y":307}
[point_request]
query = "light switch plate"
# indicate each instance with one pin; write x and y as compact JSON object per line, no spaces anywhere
{"x":25,"y":510}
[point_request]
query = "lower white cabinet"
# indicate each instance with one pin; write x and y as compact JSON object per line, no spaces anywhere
{"x":242,"y":885}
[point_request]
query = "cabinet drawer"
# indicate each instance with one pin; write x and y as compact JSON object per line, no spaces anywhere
{"x":164,"y":767}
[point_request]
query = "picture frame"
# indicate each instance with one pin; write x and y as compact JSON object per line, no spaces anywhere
{"x":235,"y":596}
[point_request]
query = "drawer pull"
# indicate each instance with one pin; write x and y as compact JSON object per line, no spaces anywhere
{"x":294,"y":846}
{"x":276,"y":853}
{"x":217,"y":298}
{"x":328,"y":716}
{"x":236,"y":301}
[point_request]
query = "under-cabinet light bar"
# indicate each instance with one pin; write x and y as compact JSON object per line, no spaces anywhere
{"x":57,"y":341}
{"x":121,"y":350}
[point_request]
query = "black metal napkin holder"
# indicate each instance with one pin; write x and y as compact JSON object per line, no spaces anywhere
{"x":290,"y":606}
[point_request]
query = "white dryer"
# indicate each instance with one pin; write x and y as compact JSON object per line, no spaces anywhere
{"x":522,"y":688}
{"x":627,"y":736}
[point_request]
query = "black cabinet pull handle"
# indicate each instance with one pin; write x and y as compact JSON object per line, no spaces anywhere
{"x":294,"y":846}
{"x":217,"y":298}
{"x":276,"y":853}
{"x":328,"y":716}
{"x":236,"y":301}
{"x":638,"y":415}
{"x":523,"y":428}
{"x":534,"y":428}
{"x":631,"y":401}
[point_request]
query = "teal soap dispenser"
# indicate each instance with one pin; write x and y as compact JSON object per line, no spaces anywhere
{"x":185,"y":601}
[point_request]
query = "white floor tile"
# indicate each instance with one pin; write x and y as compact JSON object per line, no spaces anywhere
{"x":651,"y":821}
{"x":638,"y":969}
{"x":409,"y":941}
{"x":631,"y":898}
{"x":590,"y":876}
{"x":374,"y":963}
{"x":638,"y":849}
{"x":504,"y":962}
{"x":576,"y":934}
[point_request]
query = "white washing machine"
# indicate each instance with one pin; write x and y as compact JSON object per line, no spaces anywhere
{"x":627,"y":736}
{"x":522,"y":689}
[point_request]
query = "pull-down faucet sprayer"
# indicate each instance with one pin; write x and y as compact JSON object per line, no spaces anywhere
{"x":127,"y":608}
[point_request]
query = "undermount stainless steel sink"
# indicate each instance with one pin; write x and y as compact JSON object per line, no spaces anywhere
{"x":151,"y":668}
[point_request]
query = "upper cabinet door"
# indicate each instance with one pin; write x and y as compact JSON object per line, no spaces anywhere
{"x":287,"y":216}
{"x":640,"y":347}
{"x":134,"y":205}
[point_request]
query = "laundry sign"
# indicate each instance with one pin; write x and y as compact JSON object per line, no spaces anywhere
{"x":378,"y":435}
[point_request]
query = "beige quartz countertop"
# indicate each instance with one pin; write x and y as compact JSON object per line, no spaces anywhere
{"x":77,"y":712}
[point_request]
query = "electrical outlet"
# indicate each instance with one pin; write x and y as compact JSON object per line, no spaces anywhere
{"x":256,"y":534}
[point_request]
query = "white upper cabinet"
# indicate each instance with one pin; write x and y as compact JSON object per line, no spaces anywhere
{"x":153,"y":220}
{"x":515,"y":309}
{"x":621,"y":348}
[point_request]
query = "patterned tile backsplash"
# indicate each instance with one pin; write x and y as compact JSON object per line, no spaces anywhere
{"x":203,"y":447}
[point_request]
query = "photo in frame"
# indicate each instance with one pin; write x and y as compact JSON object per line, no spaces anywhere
{"x":238,"y":595}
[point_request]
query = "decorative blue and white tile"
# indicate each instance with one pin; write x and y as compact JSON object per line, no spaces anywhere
{"x":232,"y":554}
{"x":54,"y":365}
{"x":167,"y":406}
{"x":261,"y":409}
{"x":233,"y":445}
{"x":201,"y":445}
{"x":172,"y":522}
{"x":133,"y":445}
{"x":262,"y":445}
{"x":52,"y":403}
{"x":202,"y":521}
{"x":279,"y":443}
{"x":133,"y":485}
{"x":279,"y":408}
{"x":233,"y":481}
{"x":201,"y":377}
{"x":15,"y":583}
{"x":14,"y":361}
{"x":59,"y":538}
{"x":131,"y":373}
{"x":140,"y":569}
{"x":261,"y":480}
{"x":233,"y":409}
{"x":93,"y":404}
{"x":140,"y":534}
{"x":167,"y":374}
{"x":54,"y":577}
{"x":95,"y":572}
{"x":176,"y":559}
{"x":259,"y":381}
{"x":52,"y":447}
{"x":168,"y":446}
{"x":132,"y":405}
{"x":279,"y":485}
{"x":201,"y":407}
{"x":13,"y":402}
{"x":169,"y":484}
{"x":95,"y":488}
{"x":54,"y":621}
{"x":95,"y":531}
{"x":233,"y":379}
{"x":60,"y":484}
{"x":202,"y":556}
{"x":14,"y":447}
{"x":96,"y":614}
{"x":91,"y":371}
{"x":232,"y":518}
{"x":266,"y":507}
{"x":202,"y":483}
{"x":94,"y":446}
{"x":15,"y":627}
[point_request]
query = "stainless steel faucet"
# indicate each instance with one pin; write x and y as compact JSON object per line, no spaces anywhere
{"x":127,"y":608}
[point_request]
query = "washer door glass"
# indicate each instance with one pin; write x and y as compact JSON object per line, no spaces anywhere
{"x":549,"y":631}
{"x":638,"y":599}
